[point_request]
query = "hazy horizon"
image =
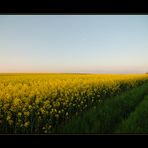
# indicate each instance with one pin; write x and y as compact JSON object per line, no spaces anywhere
{"x":74,"y":44}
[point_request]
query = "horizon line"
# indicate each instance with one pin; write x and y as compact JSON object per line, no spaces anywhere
{"x":67,"y":73}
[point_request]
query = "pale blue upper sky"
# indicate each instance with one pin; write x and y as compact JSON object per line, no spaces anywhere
{"x":74,"y":43}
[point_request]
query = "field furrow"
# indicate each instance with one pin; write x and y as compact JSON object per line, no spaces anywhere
{"x":137,"y":122}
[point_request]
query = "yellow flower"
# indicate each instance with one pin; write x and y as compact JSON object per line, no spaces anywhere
{"x":43,"y":128}
{"x":57,"y":116}
{"x":8,"y":118}
{"x":45,"y":131}
{"x":26,"y":124}
{"x":19,"y":114}
{"x":26,"y":113}
{"x":42,"y":110}
{"x":30,"y":107}
{"x":49,"y":126}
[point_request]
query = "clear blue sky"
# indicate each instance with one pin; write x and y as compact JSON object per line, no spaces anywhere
{"x":74,"y":43}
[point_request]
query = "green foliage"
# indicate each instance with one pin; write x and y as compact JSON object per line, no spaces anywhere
{"x":104,"y":118}
{"x":137,"y":122}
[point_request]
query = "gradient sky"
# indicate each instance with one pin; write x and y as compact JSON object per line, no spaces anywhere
{"x":74,"y":43}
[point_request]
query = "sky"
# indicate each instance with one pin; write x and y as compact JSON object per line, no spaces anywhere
{"x":74,"y":43}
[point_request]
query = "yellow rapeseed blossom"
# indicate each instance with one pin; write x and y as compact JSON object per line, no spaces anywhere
{"x":43,"y":100}
{"x":26,"y":124}
{"x":10,"y":122}
{"x":19,"y":114}
{"x":8,"y":118}
{"x":26,"y":113}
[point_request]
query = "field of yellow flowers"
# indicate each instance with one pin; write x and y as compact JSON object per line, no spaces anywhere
{"x":37,"y":103}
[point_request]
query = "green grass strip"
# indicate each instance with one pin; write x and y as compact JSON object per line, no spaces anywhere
{"x":105,"y":117}
{"x":137,"y":122}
